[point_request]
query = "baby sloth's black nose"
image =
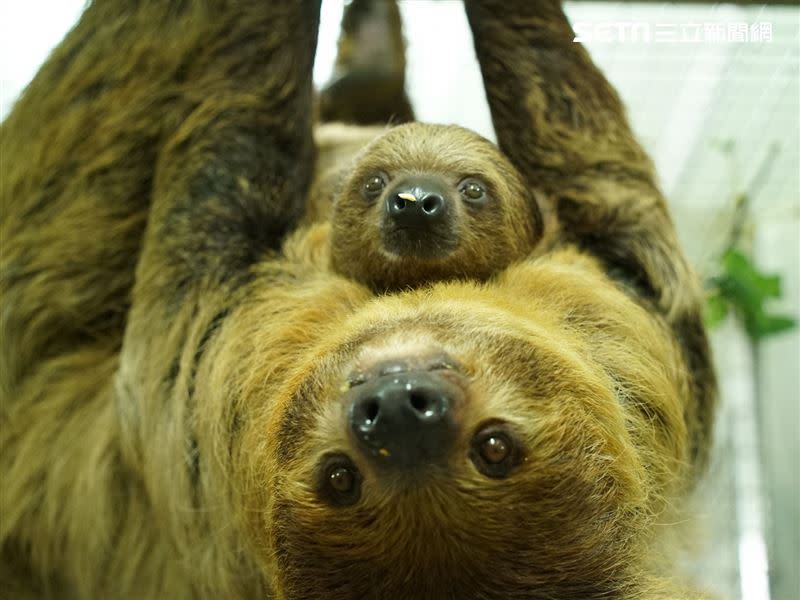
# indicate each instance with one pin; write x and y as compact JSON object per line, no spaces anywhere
{"x":404,"y":419}
{"x":418,"y":203}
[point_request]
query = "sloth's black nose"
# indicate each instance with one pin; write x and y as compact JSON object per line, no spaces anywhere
{"x":404,"y":419}
{"x":418,"y":203}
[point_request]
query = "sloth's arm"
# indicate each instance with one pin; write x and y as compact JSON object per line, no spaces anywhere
{"x":564,"y":127}
{"x":233,"y":179}
{"x":228,"y":185}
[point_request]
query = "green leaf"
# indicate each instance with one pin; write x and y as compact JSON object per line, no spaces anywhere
{"x":716,"y":310}
{"x":762,"y":325}
{"x":739,"y":265}
{"x":742,"y":287}
{"x":743,"y":284}
{"x":771,"y":284}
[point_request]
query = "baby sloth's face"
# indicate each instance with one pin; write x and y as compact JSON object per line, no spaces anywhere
{"x":431,"y":202}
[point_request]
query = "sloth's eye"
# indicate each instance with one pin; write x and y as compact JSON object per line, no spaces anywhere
{"x":495,"y":449}
{"x":339,"y":482}
{"x":472,"y":190}
{"x":494,"y":452}
{"x":342,"y":480}
{"x":374,"y":185}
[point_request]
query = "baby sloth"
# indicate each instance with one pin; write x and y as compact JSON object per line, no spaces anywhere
{"x":430,"y":202}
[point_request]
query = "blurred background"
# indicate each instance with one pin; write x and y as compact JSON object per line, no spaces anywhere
{"x":713,"y":91}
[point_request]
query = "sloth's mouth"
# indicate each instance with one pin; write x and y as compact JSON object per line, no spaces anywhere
{"x":420,"y":243}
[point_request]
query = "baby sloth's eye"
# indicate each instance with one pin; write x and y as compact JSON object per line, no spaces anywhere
{"x":374,"y":185}
{"x":473,"y":190}
{"x":494,"y":452}
{"x":339,"y":481}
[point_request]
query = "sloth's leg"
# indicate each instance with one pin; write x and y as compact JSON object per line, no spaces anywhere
{"x":368,"y":83}
{"x":564,"y":127}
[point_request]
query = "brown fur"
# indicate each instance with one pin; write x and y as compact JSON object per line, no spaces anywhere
{"x":170,"y":378}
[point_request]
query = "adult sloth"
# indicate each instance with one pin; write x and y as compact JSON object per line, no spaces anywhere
{"x":189,"y":412}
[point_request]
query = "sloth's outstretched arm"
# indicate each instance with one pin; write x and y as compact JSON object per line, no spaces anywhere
{"x":233,"y":178}
{"x":229,"y":183}
{"x":564,"y":127}
{"x":225,"y":86}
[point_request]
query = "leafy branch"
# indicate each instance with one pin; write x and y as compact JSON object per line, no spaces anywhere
{"x":740,"y":287}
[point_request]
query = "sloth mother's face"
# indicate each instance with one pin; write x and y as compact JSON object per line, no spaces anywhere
{"x":450,"y":449}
